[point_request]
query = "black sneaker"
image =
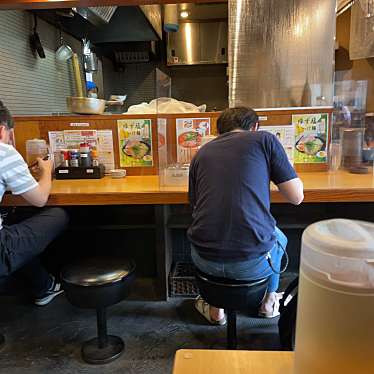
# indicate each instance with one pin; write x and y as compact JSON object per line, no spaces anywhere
{"x":54,"y":291}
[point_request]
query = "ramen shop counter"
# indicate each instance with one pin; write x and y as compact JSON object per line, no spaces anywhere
{"x":340,"y":186}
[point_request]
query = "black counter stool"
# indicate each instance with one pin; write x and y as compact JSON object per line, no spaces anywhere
{"x":98,"y":283}
{"x":231,"y":295}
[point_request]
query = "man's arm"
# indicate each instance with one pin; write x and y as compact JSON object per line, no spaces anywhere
{"x":283,"y":174}
{"x":292,"y":190}
{"x":38,"y":196}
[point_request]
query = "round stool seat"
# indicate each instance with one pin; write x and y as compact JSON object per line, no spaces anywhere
{"x":98,"y":282}
{"x":97,"y":271}
{"x":231,"y":294}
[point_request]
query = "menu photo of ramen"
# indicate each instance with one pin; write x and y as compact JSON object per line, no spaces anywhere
{"x":311,"y":132}
{"x":135,"y":142}
{"x":190,"y":132}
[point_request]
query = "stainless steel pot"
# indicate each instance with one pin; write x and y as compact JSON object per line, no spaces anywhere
{"x":85,"y":105}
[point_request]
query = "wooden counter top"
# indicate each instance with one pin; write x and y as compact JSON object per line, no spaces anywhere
{"x":196,"y":361}
{"x":319,"y":187}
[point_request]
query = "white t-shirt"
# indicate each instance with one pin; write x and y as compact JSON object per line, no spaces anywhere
{"x":15,"y":175}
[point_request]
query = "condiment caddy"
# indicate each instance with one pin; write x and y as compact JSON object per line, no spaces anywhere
{"x":80,"y":163}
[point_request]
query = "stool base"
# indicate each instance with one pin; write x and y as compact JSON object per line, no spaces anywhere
{"x":92,"y":354}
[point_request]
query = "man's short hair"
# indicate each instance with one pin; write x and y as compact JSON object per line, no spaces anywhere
{"x":5,"y":116}
{"x":236,"y":118}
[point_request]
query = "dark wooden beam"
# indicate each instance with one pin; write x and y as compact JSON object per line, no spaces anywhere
{"x":52,"y":4}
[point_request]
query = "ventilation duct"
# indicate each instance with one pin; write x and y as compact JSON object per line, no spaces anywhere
{"x":281,"y":52}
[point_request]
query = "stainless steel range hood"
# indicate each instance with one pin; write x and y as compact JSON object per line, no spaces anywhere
{"x":105,"y":25}
{"x":98,"y":16}
{"x":198,"y":43}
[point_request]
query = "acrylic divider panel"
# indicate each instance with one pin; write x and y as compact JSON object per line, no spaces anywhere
{"x":162,"y":142}
{"x":190,"y":132}
{"x":286,"y":135}
{"x":311,"y":137}
{"x":135,"y":142}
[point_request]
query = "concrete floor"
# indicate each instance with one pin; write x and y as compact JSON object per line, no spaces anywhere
{"x":48,"y":339}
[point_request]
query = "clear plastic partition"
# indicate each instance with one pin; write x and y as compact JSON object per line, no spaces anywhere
{"x":182,"y":129}
{"x":349,"y":105}
{"x":348,"y":131}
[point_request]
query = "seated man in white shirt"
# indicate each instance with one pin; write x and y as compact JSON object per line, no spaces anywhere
{"x":20,"y":244}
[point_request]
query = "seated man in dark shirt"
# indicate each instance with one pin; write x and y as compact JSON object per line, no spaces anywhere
{"x":233,"y":234}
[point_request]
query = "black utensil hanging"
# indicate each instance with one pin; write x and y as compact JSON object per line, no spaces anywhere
{"x":35,"y":42}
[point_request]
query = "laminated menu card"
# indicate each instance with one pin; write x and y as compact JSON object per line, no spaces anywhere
{"x":190,"y":132}
{"x":135,"y":142}
{"x":311,"y":136}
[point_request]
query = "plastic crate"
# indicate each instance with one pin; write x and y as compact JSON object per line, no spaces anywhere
{"x":182,"y":281}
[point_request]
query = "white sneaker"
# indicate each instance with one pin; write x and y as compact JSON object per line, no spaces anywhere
{"x":54,"y":291}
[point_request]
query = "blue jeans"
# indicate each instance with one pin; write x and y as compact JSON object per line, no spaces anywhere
{"x":252,"y":269}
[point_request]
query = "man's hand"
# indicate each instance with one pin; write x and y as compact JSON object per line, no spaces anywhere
{"x":45,"y":166}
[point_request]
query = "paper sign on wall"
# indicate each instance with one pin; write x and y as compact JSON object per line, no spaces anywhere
{"x":286,"y":135}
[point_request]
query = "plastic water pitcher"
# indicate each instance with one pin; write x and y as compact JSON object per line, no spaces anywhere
{"x":35,"y":148}
{"x":335,"y":317}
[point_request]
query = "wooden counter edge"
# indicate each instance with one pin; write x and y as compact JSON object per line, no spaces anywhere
{"x":286,"y":358}
{"x":175,"y":197}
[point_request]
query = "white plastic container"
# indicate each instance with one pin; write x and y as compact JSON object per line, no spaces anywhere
{"x":335,"y":323}
{"x":175,"y":176}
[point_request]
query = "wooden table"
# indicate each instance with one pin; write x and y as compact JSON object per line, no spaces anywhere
{"x":340,"y":186}
{"x":232,"y":362}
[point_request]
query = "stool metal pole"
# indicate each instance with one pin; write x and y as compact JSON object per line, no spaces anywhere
{"x":2,"y":341}
{"x":231,"y":329}
{"x":101,"y":327}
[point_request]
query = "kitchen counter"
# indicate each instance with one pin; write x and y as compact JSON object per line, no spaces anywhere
{"x":319,"y":187}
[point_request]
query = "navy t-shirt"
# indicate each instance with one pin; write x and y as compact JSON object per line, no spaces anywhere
{"x":229,"y":190}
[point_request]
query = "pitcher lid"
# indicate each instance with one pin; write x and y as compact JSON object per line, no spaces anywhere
{"x":341,"y":237}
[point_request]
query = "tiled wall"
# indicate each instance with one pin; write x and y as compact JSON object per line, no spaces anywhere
{"x":30,"y":85}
